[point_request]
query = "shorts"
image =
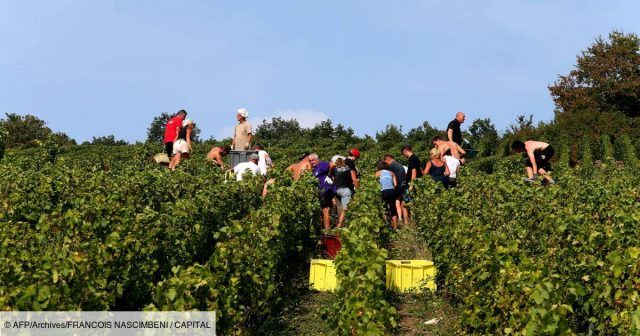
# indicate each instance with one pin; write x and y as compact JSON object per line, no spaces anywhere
{"x":542,"y":158}
{"x":345,"y":196}
{"x":389,"y":198}
{"x":401,"y":191}
{"x":168,"y":148}
{"x":406,"y":196}
{"x":326,"y":199}
{"x":453,"y":182}
{"x":180,"y":146}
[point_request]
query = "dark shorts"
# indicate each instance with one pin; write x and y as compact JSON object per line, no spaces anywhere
{"x":542,"y":158}
{"x":452,"y":182}
{"x":389,"y":198}
{"x":168,"y":148}
{"x":406,"y":195}
{"x":326,"y":199}
{"x":400,"y":190}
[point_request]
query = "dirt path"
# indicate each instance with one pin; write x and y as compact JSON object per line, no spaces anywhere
{"x":425,"y":313}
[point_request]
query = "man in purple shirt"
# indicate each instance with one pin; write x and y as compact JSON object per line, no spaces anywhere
{"x":327,"y":188}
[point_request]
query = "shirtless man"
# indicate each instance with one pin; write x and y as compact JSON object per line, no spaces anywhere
{"x":300,"y":167}
{"x":538,"y":155}
{"x":442,"y":145}
{"x":216,"y":153}
{"x":297,"y":169}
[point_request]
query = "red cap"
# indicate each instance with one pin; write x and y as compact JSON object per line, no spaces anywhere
{"x":355,"y":152}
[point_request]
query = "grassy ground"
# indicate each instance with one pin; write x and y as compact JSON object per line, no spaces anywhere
{"x":425,"y":313}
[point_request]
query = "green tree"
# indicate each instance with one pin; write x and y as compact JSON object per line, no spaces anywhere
{"x":484,"y":136}
{"x":522,"y":128}
{"x":155,"y":132}
{"x":278,"y":129}
{"x":422,"y":135}
{"x":390,"y":137}
{"x":29,"y":131}
{"x":108,"y":140}
{"x":61,"y":139}
{"x":345,"y":135}
{"x":323,"y":130}
{"x":603,"y":88}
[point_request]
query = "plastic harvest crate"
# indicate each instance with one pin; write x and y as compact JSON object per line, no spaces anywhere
{"x":410,"y":275}
{"x":239,"y":156}
{"x":322,"y":275}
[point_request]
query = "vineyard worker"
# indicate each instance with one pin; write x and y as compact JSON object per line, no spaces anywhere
{"x":414,"y":167}
{"x":345,"y":183}
{"x":437,"y":168}
{"x":454,"y":168}
{"x":251,"y":166}
{"x":354,"y":155}
{"x":264,"y":160}
{"x":400,"y":174}
{"x":414,"y":171}
{"x":216,"y":153}
{"x":327,"y":188}
{"x":242,"y":133}
{"x":349,"y":160}
{"x":453,"y":129}
{"x":442,"y":147}
{"x":300,"y":167}
{"x":336,"y":157}
{"x":171,"y":132}
{"x":182,"y":146}
{"x":538,"y":155}
{"x":388,"y":184}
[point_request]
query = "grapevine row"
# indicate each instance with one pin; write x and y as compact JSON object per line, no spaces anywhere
{"x":360,"y":307}
{"x":533,"y":260}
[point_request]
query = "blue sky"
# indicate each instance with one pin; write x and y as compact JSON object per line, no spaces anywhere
{"x":95,"y":68}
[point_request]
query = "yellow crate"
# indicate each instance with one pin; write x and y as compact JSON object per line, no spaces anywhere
{"x":410,"y":275}
{"x":322,"y":275}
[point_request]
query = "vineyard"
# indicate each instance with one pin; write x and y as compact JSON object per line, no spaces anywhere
{"x":105,"y":228}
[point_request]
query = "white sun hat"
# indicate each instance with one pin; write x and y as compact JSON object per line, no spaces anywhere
{"x":243,"y":112}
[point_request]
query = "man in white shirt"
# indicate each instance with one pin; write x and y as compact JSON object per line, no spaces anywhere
{"x":252,"y":166}
{"x":264,"y":160}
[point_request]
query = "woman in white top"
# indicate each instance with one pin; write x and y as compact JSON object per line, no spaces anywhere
{"x":454,"y":167}
{"x":182,"y":146}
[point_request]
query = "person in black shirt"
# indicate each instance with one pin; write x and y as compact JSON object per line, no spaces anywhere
{"x":354,"y":155}
{"x":345,"y":181}
{"x":414,"y":171}
{"x":453,"y":129}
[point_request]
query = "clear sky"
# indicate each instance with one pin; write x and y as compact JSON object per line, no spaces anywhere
{"x":95,"y":68}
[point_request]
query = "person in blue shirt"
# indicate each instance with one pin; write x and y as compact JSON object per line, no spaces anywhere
{"x":388,"y":184}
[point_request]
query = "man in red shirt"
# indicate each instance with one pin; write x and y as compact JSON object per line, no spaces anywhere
{"x":171,"y":133}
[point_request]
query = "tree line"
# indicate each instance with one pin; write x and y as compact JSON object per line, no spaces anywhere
{"x":600,"y":96}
